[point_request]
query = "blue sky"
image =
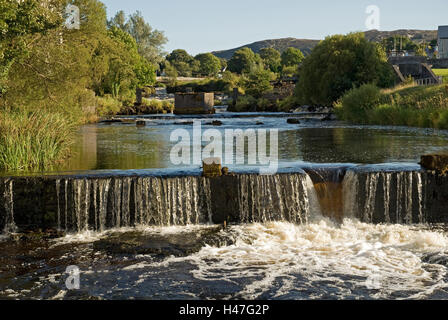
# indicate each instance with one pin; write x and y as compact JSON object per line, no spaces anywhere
{"x":208,"y":25}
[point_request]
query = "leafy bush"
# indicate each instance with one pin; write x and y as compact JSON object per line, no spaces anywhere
{"x":357,"y":101}
{"x":151,"y":106}
{"x":108,"y":106}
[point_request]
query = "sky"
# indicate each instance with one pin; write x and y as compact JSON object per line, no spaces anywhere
{"x":207,"y":25}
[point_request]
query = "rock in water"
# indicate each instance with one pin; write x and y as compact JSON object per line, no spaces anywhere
{"x":293,"y":121}
{"x":436,"y":162}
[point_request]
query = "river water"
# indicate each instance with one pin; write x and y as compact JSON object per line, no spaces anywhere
{"x":124,"y":146}
{"x":318,"y":259}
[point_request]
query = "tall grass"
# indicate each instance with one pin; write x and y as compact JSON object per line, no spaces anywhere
{"x":34,"y":140}
{"x":442,"y":73}
{"x":414,"y":106}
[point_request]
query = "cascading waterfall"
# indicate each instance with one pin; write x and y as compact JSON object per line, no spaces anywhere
{"x":78,"y":204}
{"x":100,"y":204}
{"x":9,"y":224}
{"x":284,"y":197}
{"x":390,"y":197}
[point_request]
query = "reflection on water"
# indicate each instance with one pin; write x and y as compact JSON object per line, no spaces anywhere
{"x":124,"y":146}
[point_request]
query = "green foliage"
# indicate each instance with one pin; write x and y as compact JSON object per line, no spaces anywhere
{"x":271,"y":59}
{"x":258,"y":82}
{"x":409,"y":106}
{"x":34,"y":140}
{"x":243,"y":61}
{"x":442,"y":73}
{"x":292,"y":57}
{"x":108,"y":106}
{"x":151,"y":106}
{"x":19,"y":21}
{"x":357,"y":101}
{"x":209,"y":65}
{"x":226,"y":84}
{"x":149,"y":42}
{"x":290,"y":71}
{"x":244,"y":104}
{"x":403,"y":43}
{"x":49,"y":69}
{"x":338,"y":64}
{"x":286,"y":105}
{"x":181,"y":61}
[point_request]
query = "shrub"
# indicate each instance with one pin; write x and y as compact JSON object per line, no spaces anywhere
{"x":151,"y":106}
{"x":357,"y":101}
{"x":108,"y":106}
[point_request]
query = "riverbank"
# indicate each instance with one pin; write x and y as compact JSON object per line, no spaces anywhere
{"x":409,"y":105}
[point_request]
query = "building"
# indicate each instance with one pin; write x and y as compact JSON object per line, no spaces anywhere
{"x":443,"y":42}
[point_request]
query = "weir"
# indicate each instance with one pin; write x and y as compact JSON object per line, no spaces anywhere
{"x":78,"y":203}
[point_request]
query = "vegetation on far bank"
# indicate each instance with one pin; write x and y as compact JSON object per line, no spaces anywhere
{"x":53,"y":78}
{"x":407,"y":105}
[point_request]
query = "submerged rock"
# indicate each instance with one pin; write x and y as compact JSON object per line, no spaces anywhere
{"x":177,"y":244}
{"x":293,"y":121}
{"x":215,"y":123}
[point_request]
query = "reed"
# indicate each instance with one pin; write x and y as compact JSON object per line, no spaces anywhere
{"x":34,"y":140}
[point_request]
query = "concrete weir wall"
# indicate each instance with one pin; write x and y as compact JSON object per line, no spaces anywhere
{"x":76,"y":204}
{"x":194,"y":103}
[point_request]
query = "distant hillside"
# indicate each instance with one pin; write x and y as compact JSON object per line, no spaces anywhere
{"x":414,"y":35}
{"x":280,"y":44}
{"x":306,"y":45}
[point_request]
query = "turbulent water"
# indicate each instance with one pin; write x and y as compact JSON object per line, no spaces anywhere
{"x":276,"y":260}
{"x":152,"y":238}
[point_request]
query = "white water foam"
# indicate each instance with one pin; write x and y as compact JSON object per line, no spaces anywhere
{"x":380,"y":260}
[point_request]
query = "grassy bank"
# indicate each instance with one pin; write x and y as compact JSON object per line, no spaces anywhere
{"x":414,"y":106}
{"x":34,"y":140}
{"x":442,"y":73}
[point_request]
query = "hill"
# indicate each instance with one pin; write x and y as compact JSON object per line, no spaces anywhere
{"x":306,"y":45}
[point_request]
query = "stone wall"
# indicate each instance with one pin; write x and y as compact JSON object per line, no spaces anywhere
{"x":194,"y":103}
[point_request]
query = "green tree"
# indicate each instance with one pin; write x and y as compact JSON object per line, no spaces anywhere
{"x":56,"y":71}
{"x":181,"y":61}
{"x":150,"y":42}
{"x":243,"y":61}
{"x":209,"y":65}
{"x":340,"y":63}
{"x":292,"y":57}
{"x":271,"y":58}
{"x":19,"y":20}
{"x":258,"y":82}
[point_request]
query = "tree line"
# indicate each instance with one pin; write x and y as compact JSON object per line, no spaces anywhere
{"x":44,"y":64}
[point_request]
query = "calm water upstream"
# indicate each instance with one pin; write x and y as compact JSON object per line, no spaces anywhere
{"x":124,"y":146}
{"x":320,"y":259}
